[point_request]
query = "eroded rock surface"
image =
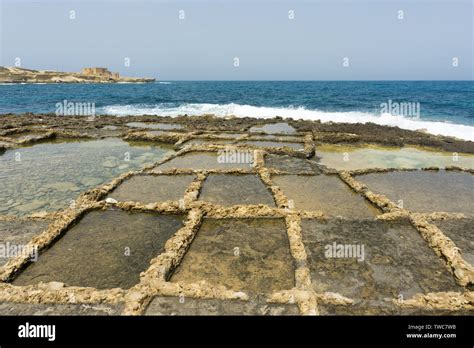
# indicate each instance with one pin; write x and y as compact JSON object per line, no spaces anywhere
{"x":235,"y":189}
{"x":17,"y":233}
{"x":372,"y":260}
{"x":233,"y":235}
{"x":153,"y":188}
{"x":426,"y":191}
{"x":192,"y":306}
{"x":241,"y":254}
{"x":100,"y":251}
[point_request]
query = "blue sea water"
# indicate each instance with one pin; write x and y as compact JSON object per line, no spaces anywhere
{"x":446,"y":107}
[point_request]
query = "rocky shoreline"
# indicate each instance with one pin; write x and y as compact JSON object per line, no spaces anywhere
{"x":332,"y":133}
{"x":21,"y":75}
{"x":246,"y":237}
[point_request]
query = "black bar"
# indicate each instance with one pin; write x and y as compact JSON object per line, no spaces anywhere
{"x":136,"y":331}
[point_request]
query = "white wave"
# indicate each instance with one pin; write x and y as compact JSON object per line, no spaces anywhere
{"x":26,"y":83}
{"x":129,"y":83}
{"x":164,"y":83}
{"x":433,"y":127}
{"x":14,"y":83}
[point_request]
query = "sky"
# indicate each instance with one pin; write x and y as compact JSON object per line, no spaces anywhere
{"x":244,"y":40}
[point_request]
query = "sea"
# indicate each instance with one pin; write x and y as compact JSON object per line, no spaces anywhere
{"x":437,"y":107}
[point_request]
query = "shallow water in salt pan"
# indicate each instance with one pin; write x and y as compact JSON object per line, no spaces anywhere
{"x":154,"y":125}
{"x":49,"y":176}
{"x":241,"y":254}
{"x":343,"y":157}
{"x":425,"y":191}
{"x":200,"y":141}
{"x":105,"y":249}
{"x":325,"y":193}
{"x":226,"y":189}
{"x":152,"y":188}
{"x":274,"y":128}
{"x":209,"y":160}
{"x":461,"y":232}
{"x":372,"y":261}
{"x":25,"y":136}
{"x":264,"y":143}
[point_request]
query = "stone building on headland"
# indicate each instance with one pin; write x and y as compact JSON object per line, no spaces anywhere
{"x":87,"y":75}
{"x":100,"y":72}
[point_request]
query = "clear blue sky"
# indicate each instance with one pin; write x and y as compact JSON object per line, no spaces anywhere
{"x":268,"y":44}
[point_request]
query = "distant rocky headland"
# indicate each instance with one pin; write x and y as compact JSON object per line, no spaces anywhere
{"x":87,"y":75}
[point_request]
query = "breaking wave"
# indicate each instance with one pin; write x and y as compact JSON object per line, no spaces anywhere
{"x":409,"y":123}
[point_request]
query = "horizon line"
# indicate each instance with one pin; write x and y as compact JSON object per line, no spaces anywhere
{"x":296,"y":80}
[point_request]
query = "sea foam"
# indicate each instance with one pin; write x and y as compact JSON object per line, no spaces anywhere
{"x":434,"y":127}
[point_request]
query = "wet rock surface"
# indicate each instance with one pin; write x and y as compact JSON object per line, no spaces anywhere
{"x":101,"y":252}
{"x":59,"y":309}
{"x":384,"y":308}
{"x":191,"y":306}
{"x":266,"y":143}
{"x":241,"y":254}
{"x":274,"y":128}
{"x":50,"y":176}
{"x":218,"y":256}
{"x":17,"y":233}
{"x":198,"y":141}
{"x":395,"y":261}
{"x":353,"y":157}
{"x":325,"y":193}
{"x":324,"y":132}
{"x":372,"y":133}
{"x":153,"y":125}
{"x":291,"y":165}
{"x":152,"y":188}
{"x":426,"y":191}
{"x":461,"y":232}
{"x":206,"y":160}
{"x":235,"y":189}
